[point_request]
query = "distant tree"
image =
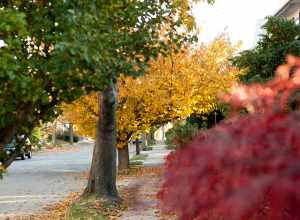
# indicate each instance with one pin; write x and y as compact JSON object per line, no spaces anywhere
{"x":280,"y":37}
{"x":207,"y":120}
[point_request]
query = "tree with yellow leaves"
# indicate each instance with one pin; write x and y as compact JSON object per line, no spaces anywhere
{"x":173,"y":88}
{"x":184,"y":83}
{"x":84,"y":114}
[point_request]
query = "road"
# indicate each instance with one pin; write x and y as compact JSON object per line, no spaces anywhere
{"x":45,"y":179}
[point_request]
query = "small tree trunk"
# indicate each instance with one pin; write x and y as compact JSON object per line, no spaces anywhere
{"x":123,"y":158}
{"x":150,"y":137}
{"x":102,"y":180}
{"x":137,"y":147}
{"x":54,"y":133}
{"x":71,"y":133}
{"x":163,"y":133}
{"x":146,"y":140}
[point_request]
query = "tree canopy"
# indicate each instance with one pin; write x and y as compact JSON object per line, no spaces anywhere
{"x":280,"y":37}
{"x":173,"y":88}
{"x":55,"y":51}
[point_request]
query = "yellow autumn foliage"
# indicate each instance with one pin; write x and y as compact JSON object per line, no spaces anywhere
{"x":173,"y":88}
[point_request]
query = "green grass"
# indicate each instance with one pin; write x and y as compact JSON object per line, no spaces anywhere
{"x":171,"y":147}
{"x":139,"y":157}
{"x":147,"y":148}
{"x":85,"y":209}
{"x":136,"y":163}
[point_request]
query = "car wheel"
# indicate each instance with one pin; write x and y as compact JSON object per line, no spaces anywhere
{"x":23,"y":156}
{"x":29,"y":154}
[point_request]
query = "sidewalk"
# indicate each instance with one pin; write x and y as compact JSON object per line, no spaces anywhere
{"x":143,"y":189}
{"x":156,"y":157}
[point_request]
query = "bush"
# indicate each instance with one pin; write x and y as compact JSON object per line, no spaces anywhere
{"x":208,"y":120}
{"x":35,"y":139}
{"x":151,"y":142}
{"x":247,"y":167}
{"x":146,"y":148}
{"x":66,"y":137}
{"x":150,"y":136}
{"x":180,"y":134}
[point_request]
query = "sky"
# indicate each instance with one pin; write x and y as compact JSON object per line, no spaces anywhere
{"x":2,"y":43}
{"x":238,"y":18}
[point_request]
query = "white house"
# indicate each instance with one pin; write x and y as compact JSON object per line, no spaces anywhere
{"x":159,"y":134}
{"x":290,"y":10}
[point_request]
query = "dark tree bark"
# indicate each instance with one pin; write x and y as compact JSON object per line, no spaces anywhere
{"x":137,"y":147}
{"x":7,"y":133}
{"x":102,"y":180}
{"x":54,"y":133}
{"x":163,"y":133}
{"x":71,"y":133}
{"x":6,"y":163}
{"x":123,"y":158}
{"x":24,"y":117}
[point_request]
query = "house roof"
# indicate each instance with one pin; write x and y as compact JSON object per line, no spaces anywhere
{"x":287,"y":8}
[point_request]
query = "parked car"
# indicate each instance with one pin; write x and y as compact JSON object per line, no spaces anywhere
{"x":25,"y":150}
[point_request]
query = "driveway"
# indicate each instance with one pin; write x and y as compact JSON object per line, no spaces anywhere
{"x":45,"y":179}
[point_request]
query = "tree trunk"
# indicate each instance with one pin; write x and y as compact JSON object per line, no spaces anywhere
{"x":71,"y":133}
{"x":54,"y":133}
{"x":152,"y":135}
{"x":7,"y":133}
{"x":150,"y":138}
{"x":163,"y":133}
{"x":137,"y":147}
{"x":146,"y":140}
{"x":102,"y":180}
{"x":123,"y":158}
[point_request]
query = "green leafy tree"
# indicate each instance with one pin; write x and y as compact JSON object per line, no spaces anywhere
{"x":181,"y":133}
{"x":31,"y":72}
{"x":280,"y":37}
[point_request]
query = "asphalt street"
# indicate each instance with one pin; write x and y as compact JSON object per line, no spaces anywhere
{"x":34,"y":184}
{"x":45,"y":179}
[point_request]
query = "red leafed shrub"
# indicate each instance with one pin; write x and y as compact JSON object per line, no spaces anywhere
{"x":247,"y":167}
